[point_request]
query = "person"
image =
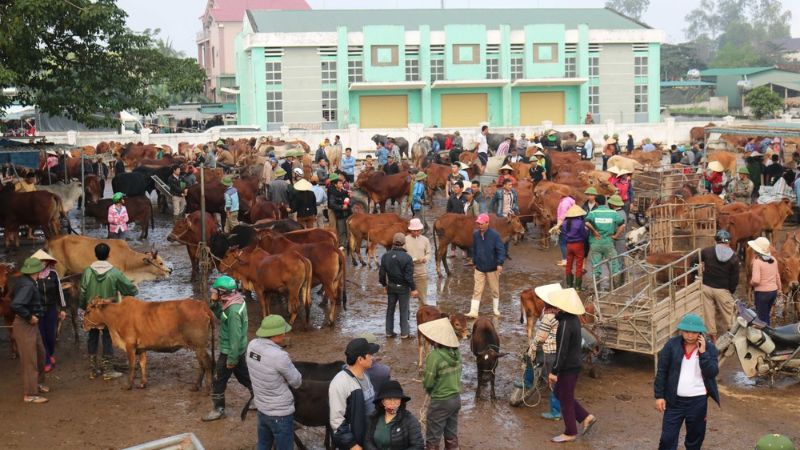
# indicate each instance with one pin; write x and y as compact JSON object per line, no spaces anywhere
{"x":53,"y":305}
{"x":321,"y":198}
{"x":488,"y":256}
{"x":351,"y":396}
{"x":189,"y":178}
{"x":27,"y":184}
{"x":591,"y":203}
{"x":773,"y":171}
{"x":287,"y":165}
{"x":713,"y":177}
{"x":272,"y":374}
{"x":629,"y":144}
{"x":117,"y":217}
{"x":30,"y":127}
{"x":394,"y":151}
{"x":765,"y":279}
{"x":754,"y":166}
{"x":605,"y":226}
{"x":349,"y":165}
{"x":382,"y":154}
{"x":616,"y":204}
{"x":742,"y":189}
{"x":674,"y":154}
{"x":229,"y":307}
{"x":396,"y":275}
{"x":442,"y":383}
{"x":545,"y":339}
{"x":478,"y":197}
{"x":393,"y":426}
{"x":458,"y":141}
{"x":368,"y":163}
{"x":453,"y":177}
{"x":588,"y":120}
{"x":103,"y":280}
{"x":588,"y":146}
{"x":505,"y":174}
{"x":339,"y":203}
{"x":647,"y":145}
{"x":615,"y":136}
{"x":418,"y":194}
{"x":304,"y":203}
{"x":481,"y":147}
{"x":391,"y":166}
{"x":685,"y":378}
{"x":322,"y":170}
{"x":211,"y":157}
{"x":224,"y":157}
{"x":231,"y":196}
{"x":455,"y":204}
{"x":419,"y":249}
{"x":687,"y":158}
{"x":320,"y":154}
{"x":471,"y":207}
{"x":278,"y":188}
{"x":608,"y":151}
{"x":504,"y":203}
{"x":538,"y":170}
{"x":551,"y":140}
{"x":177,"y":188}
{"x":26,"y":303}
{"x":522,"y":144}
{"x":563,"y":376}
{"x":119,"y":164}
{"x":515,"y":157}
{"x":503,"y":148}
{"x":575,"y":235}
{"x":620,"y":180}
{"x":378,"y":373}
{"x":720,"y":279}
{"x":564,"y":205}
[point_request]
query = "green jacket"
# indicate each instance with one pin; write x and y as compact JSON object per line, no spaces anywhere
{"x":102,"y":280}
{"x":443,"y":373}
{"x":232,"y":330}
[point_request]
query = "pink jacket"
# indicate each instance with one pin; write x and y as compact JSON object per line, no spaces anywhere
{"x":117,"y":220}
{"x":766,"y":277}
{"x":565,"y":204}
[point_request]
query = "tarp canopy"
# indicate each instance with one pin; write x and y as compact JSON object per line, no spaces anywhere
{"x":780,"y":130}
{"x":17,"y":112}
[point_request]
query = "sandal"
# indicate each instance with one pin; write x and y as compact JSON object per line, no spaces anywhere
{"x":588,"y":426}
{"x":34,"y":399}
{"x":43,"y":389}
{"x":563,"y":438}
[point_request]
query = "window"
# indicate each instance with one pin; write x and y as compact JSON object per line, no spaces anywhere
{"x":329,"y":106}
{"x":517,"y":68}
{"x":274,"y":107}
{"x":328,"y":72}
{"x":594,"y":66}
{"x":273,"y":72}
{"x":640,"y":66}
{"x":355,"y":71}
{"x":594,"y":99}
{"x":640,"y":98}
{"x":412,"y":69}
{"x":492,"y":68}
{"x":384,"y":55}
{"x":437,"y":70}
{"x":466,"y":53}
{"x":571,"y":66}
{"x":226,"y":82}
{"x":545,"y":53}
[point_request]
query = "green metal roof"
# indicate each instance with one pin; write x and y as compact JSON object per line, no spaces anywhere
{"x":686,"y":83}
{"x":271,"y":21}
{"x":220,"y":108}
{"x":734,"y":71}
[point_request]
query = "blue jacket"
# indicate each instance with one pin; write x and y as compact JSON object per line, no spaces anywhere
{"x":231,"y":199}
{"x":488,"y":251}
{"x":349,"y":165}
{"x":382,"y":155}
{"x":497,"y":203}
{"x":417,"y":195}
{"x":669,"y":370}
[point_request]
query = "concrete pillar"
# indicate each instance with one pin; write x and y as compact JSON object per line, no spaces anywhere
{"x":669,"y":138}
{"x":352,"y":140}
{"x":72,"y":137}
{"x":144,"y":135}
{"x":415,"y":132}
{"x":729,"y":120}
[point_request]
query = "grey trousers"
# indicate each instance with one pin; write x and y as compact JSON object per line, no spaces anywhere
{"x":442,"y":419}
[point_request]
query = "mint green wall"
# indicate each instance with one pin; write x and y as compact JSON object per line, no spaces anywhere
{"x":384,"y":35}
{"x":494,"y":100}
{"x":583,"y":70}
{"x":414,"y":105}
{"x":571,"y":100}
{"x":425,"y":71}
{"x":465,"y":34}
{"x":654,"y":83}
{"x":342,"y":84}
{"x":259,"y":74}
{"x":505,"y":69}
{"x":544,"y":34}
{"x":244,"y":104}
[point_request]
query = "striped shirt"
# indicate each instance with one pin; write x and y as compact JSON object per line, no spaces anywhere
{"x":546,"y":332}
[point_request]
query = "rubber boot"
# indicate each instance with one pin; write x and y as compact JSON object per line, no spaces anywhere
{"x":94,"y":367}
{"x":451,"y":444}
{"x":473,"y":309}
{"x":432,"y":446}
{"x":108,"y":370}
{"x":569,"y":280}
{"x":496,"y":306}
{"x":219,"y":410}
{"x":578,"y":284}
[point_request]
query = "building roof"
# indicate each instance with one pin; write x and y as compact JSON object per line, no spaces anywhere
{"x":788,"y":44}
{"x":233,"y":10}
{"x":328,"y":20}
{"x":740,"y":71}
{"x":685,"y":83}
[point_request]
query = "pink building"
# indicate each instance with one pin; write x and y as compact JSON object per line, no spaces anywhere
{"x":222,"y":21}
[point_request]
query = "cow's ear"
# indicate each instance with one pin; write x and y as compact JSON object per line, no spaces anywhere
{"x":146,"y":260}
{"x":500,"y":355}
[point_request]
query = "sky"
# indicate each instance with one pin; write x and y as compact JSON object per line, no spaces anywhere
{"x":179,"y":19}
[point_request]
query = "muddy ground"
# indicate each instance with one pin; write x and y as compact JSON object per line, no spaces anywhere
{"x":86,"y":414}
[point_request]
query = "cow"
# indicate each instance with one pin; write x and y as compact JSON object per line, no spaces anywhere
{"x":140,"y":210}
{"x":76,"y":253}
{"x":742,"y":227}
{"x":6,"y":272}
{"x":69,"y":193}
{"x":734,"y":208}
{"x":457,"y":229}
{"x":35,"y":209}
{"x":531,"y":307}
{"x":652,"y":158}
{"x":420,"y":150}
{"x":137,"y":326}
{"x":485,"y":345}
{"x":427,"y":313}
{"x":727,"y":159}
{"x":312,"y":235}
{"x":698,"y":134}
{"x":669,"y":272}
{"x":381,"y":187}
{"x":311,"y":407}
{"x":93,"y":188}
{"x":621,"y":162}
{"x":774,"y":215}
{"x":187,"y":231}
{"x":283,"y":273}
{"x":215,"y":199}
{"x":281,"y":226}
{"x":362,"y":226}
{"x":401,"y":142}
{"x":132,"y":153}
{"x":559,"y":160}
{"x":132,"y":184}
{"x":261,"y":208}
{"x":437,"y":179}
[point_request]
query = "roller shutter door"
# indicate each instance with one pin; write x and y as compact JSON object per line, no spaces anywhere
{"x":464,"y":110}
{"x":536,"y":107}
{"x":383,"y":111}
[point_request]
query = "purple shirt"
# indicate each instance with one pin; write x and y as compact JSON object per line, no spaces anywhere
{"x":574,"y":230}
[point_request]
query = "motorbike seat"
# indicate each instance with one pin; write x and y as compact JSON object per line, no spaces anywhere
{"x":787,"y":334}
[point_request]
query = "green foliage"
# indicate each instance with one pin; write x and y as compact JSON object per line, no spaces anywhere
{"x":631,"y":8}
{"x":77,"y":58}
{"x":677,"y":60}
{"x":742,"y":56}
{"x":763,"y":102}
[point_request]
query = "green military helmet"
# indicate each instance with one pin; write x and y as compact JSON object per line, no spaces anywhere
{"x":743,"y":170}
{"x":225,"y":283}
{"x":117,"y":197}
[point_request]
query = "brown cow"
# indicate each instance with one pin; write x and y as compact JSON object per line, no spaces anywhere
{"x":647,"y":158}
{"x":774,"y":215}
{"x":727,"y":159}
{"x":698,"y":134}
{"x":165,"y":326}
{"x":133,"y":153}
{"x":6,"y":272}
{"x":437,"y":179}
{"x":742,"y":227}
{"x":361,"y":225}
{"x":619,"y":161}
{"x":457,"y":229}
{"x":522,"y":171}
{"x":94,"y":188}
{"x":309,"y":235}
{"x":485,"y":345}
{"x":426,"y":313}
{"x":381,"y":187}
{"x":187,"y":231}
{"x":663,"y":275}
{"x":140,"y":210}
{"x":561,"y":159}
{"x":262,"y":208}
{"x":39,"y":209}
{"x":734,"y":208}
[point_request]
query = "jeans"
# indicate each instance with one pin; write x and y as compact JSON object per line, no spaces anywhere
{"x":94,"y":341}
{"x":275,"y":429}
{"x":549,"y":359}
{"x":394,"y":297}
{"x":571,"y":411}
{"x":764,"y":302}
{"x":693,"y":411}
{"x":47,"y":327}
{"x":562,"y":245}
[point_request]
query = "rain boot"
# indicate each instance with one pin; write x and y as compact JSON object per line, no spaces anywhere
{"x":451,"y":443}
{"x":94,"y":367}
{"x":219,"y":409}
{"x":108,"y":370}
{"x":432,"y":446}
{"x":569,"y":280}
{"x":473,"y":309}
{"x":578,"y":284}
{"x":496,"y":306}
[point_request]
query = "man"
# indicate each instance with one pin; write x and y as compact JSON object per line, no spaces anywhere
{"x":119,"y":165}
{"x":755,"y":166}
{"x":591,"y":199}
{"x":178,"y":190}
{"x":538,"y":170}
{"x":482,"y":147}
{"x":551,"y":141}
{"x":231,"y":204}
{"x":349,"y":165}
{"x":477,"y":196}
{"x":419,"y":248}
{"x":685,"y":378}
{"x":391,"y":166}
{"x":339,"y":203}
{"x":455,"y":204}
{"x":504,"y":147}
{"x":304,"y":203}
{"x":588,"y":146}
{"x":382,"y":154}
{"x":394,"y":151}
{"x":522,"y":144}
{"x":515,"y":157}
{"x":28,"y":309}
{"x":606,"y":226}
{"x":379,"y":373}
{"x":369,"y":163}
{"x":687,"y":158}
{"x":616,"y":204}
{"x":224,"y":157}
{"x":272,"y":374}
{"x":454,"y":176}
{"x":322,"y":170}
{"x":321,"y":197}
{"x":267,"y":173}
{"x":396,"y":275}
{"x":230,"y":309}
{"x":287,"y":165}
{"x":351,"y":395}
{"x":458,"y":141}
{"x":320,"y":154}
{"x":773,"y":171}
{"x":488,"y":255}
{"x":504,"y":203}
{"x":720,"y":278}
{"x":102,"y":280}
{"x":647,"y":146}
{"x":742,"y":187}
{"x":278,"y":188}
{"x":471,"y":207}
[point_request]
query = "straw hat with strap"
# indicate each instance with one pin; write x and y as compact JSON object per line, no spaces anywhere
{"x":440,"y":331}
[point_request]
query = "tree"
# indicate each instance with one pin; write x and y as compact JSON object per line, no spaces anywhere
{"x":677,"y":60}
{"x":732,"y":56}
{"x":77,"y":58}
{"x":763,"y":102}
{"x":631,"y":8}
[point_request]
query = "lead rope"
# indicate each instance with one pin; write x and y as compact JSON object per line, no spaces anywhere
{"x":423,"y":414}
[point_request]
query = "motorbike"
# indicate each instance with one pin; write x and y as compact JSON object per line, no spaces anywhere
{"x":762,"y":350}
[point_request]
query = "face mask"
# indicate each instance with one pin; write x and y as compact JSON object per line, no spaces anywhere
{"x":391,"y":410}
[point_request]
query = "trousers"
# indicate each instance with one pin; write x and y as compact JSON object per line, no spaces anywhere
{"x":93,"y":343}
{"x":231,"y":220}
{"x":602,"y":249}
{"x":394,"y":298}
{"x":562,"y":245}
{"x":341,"y":232}
{"x":571,"y":411}
{"x":442,"y":419}
{"x":221,"y":376}
{"x":47,"y":327}
{"x":178,"y":205}
{"x":764,"y":302}
{"x":691,"y":410}
{"x":484,"y":278}
{"x":718,"y":306}
{"x":277,"y":430}
{"x":421,"y":282}
{"x":575,"y":254}
{"x":31,"y":355}
{"x":308,"y":221}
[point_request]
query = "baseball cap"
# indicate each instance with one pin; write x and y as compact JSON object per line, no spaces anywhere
{"x":483,"y":218}
{"x":361,"y":347}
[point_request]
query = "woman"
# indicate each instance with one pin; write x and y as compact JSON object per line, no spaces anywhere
{"x":393,"y":427}
{"x":49,"y":286}
{"x":713,"y":177}
{"x":442,"y":383}
{"x":505,"y":174}
{"x":418,"y":193}
{"x":27,"y":307}
{"x":564,"y":205}
{"x":621,"y":181}
{"x":564,"y":375}
{"x":575,"y":233}
{"x":117,"y":217}
{"x":765,"y":280}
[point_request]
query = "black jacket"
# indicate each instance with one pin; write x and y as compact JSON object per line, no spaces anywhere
{"x":353,"y":430}
{"x":304,"y":203}
{"x":174,"y":184}
{"x":718,"y":274}
{"x":390,"y":169}
{"x":287,"y":166}
{"x":568,"y":344}
{"x":336,"y":203}
{"x":456,"y":204}
{"x":50,"y":291}
{"x":25,"y":300}
{"x":397,"y":271}
{"x":119,"y":167}
{"x":406,"y":434}
{"x":669,"y":370}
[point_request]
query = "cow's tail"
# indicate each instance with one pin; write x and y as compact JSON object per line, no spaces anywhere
{"x":342,"y":281}
{"x":351,"y":241}
{"x":152,"y":217}
{"x":305,"y":289}
{"x":521,"y":311}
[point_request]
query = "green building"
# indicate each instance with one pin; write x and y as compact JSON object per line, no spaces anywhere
{"x":733,"y":82}
{"x":445,"y":68}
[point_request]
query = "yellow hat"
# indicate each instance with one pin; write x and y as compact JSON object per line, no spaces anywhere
{"x":716,"y":166}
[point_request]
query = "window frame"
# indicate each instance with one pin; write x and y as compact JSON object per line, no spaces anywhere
{"x":571,"y":66}
{"x":274,"y":114}
{"x":326,"y":72}
{"x":332,"y":106}
{"x":640,"y":98}
{"x":553,"y":53}
{"x":476,"y":53}
{"x":395,"y":60}
{"x":640,"y":65}
{"x":517,"y":62}
{"x":594,"y":92}
{"x":355,"y":71}
{"x":437,"y":69}
{"x":594,"y":69}
{"x":493,"y":68}
{"x":273,"y":73}
{"x":412,"y":71}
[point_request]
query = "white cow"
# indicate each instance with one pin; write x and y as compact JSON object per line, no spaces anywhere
{"x":69,"y":193}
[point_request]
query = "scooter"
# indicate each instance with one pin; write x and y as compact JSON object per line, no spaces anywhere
{"x":762,"y":350}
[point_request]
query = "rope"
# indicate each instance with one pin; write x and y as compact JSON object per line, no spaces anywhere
{"x":423,"y":414}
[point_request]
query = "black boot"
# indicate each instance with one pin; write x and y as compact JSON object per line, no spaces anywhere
{"x":219,"y":408}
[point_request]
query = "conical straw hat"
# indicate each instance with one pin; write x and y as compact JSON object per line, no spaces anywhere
{"x":566,"y":300}
{"x":440,"y":331}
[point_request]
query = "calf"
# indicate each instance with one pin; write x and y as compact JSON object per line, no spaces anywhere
{"x":742,"y":227}
{"x":265,"y":209}
{"x":311,"y":407}
{"x":774,"y":215}
{"x":531,"y":307}
{"x":362,"y":226}
{"x":669,"y":271}
{"x":486,"y":348}
{"x":165,"y":326}
{"x":426,"y":313}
